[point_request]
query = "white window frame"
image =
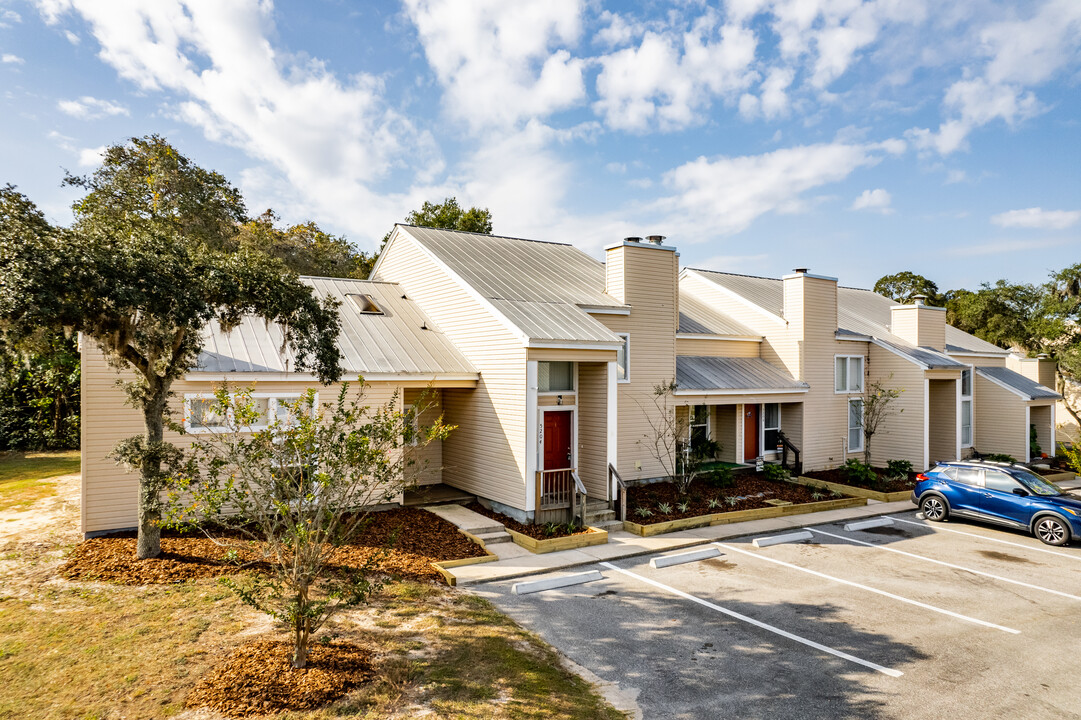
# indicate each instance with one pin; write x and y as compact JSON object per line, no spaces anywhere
{"x":851,"y":427}
{"x":848,"y":374}
{"x":272,"y":410}
{"x":691,"y":425}
{"x":626,"y":352}
{"x":971,"y":407}
{"x":763,"y":428}
{"x":574,"y":379}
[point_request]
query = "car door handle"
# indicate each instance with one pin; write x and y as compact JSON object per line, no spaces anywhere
{"x":988,"y":495}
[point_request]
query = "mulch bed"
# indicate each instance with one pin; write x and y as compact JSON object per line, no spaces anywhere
{"x":258,"y":678}
{"x":886,"y":483}
{"x":537,"y":532}
{"x":419,"y":537}
{"x":750,"y":490}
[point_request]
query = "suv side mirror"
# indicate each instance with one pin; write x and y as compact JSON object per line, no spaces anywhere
{"x":1020,"y":491}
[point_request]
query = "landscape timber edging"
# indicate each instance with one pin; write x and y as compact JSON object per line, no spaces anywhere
{"x":853,"y":490}
{"x":1064,"y":476}
{"x":444,"y":565}
{"x":595,"y":536}
{"x":740,"y":516}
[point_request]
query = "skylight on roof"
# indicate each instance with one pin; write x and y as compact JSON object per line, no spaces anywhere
{"x":365,"y":304}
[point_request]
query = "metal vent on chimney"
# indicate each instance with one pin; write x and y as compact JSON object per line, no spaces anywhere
{"x":800,"y":270}
{"x":656,"y":239}
{"x":632,"y":239}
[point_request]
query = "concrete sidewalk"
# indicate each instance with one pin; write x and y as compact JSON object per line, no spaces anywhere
{"x":623,"y":544}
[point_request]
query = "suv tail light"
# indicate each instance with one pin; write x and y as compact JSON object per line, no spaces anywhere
{"x":921,"y":476}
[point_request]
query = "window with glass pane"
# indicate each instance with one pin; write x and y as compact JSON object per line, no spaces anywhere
{"x":699,"y":425}
{"x":966,"y":383}
{"x":998,"y":480}
{"x":623,"y":358}
{"x":204,"y":415}
{"x":555,"y":376}
{"x":848,"y":374}
{"x":966,"y":423}
{"x":969,"y":476}
{"x":771,"y":425}
{"x":855,"y":425}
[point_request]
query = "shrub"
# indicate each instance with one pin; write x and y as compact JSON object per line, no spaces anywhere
{"x":713,"y":503}
{"x":857,"y":473}
{"x":683,"y":506}
{"x":643,"y":512}
{"x":776,"y":473}
{"x":720,"y":478}
{"x":1000,"y":457}
{"x":899,"y":468}
{"x":1073,"y":456}
{"x":731,"y":500}
{"x":665,"y":508}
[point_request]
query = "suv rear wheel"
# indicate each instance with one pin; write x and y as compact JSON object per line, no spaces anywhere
{"x":934,"y":508}
{"x":1051,"y":530}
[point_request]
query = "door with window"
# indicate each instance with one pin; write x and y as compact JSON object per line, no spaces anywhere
{"x":750,"y":432}
{"x":558,"y":452}
{"x":999,"y":501}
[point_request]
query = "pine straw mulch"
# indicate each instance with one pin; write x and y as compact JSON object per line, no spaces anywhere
{"x":537,"y":532}
{"x":258,"y":678}
{"x":886,"y":483}
{"x":748,"y":490}
{"x":416,"y":538}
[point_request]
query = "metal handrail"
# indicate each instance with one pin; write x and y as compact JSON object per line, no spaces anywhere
{"x":620,"y":502}
{"x":787,"y":445}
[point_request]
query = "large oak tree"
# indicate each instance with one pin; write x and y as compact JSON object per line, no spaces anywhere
{"x":149,"y":263}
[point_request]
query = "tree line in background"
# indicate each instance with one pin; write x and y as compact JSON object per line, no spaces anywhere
{"x":40,"y":373}
{"x":1029,"y":318}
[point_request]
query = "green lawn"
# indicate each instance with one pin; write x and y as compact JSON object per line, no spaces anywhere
{"x":25,"y":477}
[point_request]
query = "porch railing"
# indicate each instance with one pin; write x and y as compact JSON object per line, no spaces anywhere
{"x":619,"y":503}
{"x":786,"y":445}
{"x":555,"y":491}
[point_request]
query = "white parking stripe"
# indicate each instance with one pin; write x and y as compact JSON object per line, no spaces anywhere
{"x":758,"y":623}
{"x":917,"y":603}
{"x":985,"y":537}
{"x":949,"y":565}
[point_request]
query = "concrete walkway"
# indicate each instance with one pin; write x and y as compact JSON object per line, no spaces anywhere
{"x":515,"y":561}
{"x":623,"y":544}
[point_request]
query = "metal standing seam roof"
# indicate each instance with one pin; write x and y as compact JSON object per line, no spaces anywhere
{"x":728,"y":373}
{"x":859,"y":311}
{"x":1018,"y":382}
{"x":394,"y":342}
{"x":698,"y":318}
{"x":930,"y":357}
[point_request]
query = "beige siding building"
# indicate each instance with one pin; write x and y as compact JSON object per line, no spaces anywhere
{"x":546,"y":360}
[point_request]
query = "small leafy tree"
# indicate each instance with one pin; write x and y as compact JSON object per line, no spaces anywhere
{"x":668,"y":438}
{"x":877,"y":407}
{"x":150,"y":262}
{"x":299,"y":489}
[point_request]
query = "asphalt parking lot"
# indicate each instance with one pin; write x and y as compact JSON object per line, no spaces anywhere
{"x":913,"y":620}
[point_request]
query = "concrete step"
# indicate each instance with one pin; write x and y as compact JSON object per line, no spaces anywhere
{"x":608,"y":525}
{"x":493,"y":538}
{"x":592,"y":518}
{"x":466,"y":519}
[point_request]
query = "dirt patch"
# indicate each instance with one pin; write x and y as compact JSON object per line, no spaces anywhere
{"x":52,"y":519}
{"x":257,"y":678}
{"x":537,"y":532}
{"x":885,"y":483}
{"x":746,"y":491}
{"x":419,"y":537}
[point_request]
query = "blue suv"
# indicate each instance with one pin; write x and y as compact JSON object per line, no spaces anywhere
{"x":1000,"y":493}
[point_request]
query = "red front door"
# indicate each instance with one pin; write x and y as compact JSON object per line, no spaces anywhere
{"x":750,"y":432}
{"x":557,"y":440}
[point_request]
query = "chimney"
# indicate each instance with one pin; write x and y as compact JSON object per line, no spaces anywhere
{"x":1040,"y":369}
{"x":920,"y":324}
{"x":636,"y":269}
{"x":810,"y":302}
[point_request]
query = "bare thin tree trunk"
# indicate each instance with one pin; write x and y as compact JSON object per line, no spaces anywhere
{"x":148,"y":544}
{"x":301,"y":631}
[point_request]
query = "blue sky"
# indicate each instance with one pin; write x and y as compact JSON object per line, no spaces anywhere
{"x":854,"y":138}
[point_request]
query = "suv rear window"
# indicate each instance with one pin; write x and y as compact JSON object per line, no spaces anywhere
{"x":968,"y":476}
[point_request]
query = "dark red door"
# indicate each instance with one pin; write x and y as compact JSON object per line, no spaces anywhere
{"x":557,"y":439}
{"x":750,"y":432}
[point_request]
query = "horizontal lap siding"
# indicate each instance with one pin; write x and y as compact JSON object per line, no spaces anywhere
{"x":486,"y":454}
{"x":900,"y":437}
{"x":593,"y":427}
{"x":999,"y":420}
{"x":648,"y":279}
{"x":697,"y":347}
{"x":110,"y":492}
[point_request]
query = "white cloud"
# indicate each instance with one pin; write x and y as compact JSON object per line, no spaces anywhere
{"x":9,"y":59}
{"x":91,"y":157}
{"x":90,"y":108}
{"x":670,"y":78}
{"x":878,"y":200}
{"x":1037,"y":218}
{"x":87,"y":157}
{"x":9,"y":17}
{"x":502,"y":63}
{"x":330,"y":139}
{"x":1002,"y":247}
{"x":72,"y":37}
{"x":727,"y":194}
